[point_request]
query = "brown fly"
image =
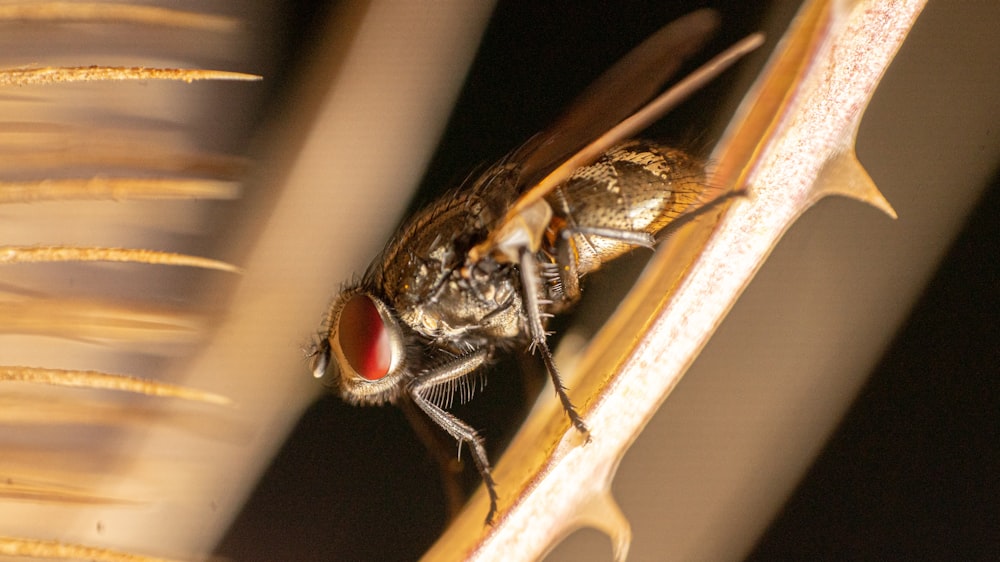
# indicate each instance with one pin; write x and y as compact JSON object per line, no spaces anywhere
{"x":480,"y":271}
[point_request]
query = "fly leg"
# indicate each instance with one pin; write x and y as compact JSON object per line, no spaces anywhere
{"x":426,"y":389}
{"x":531,"y":285}
{"x":566,"y":255}
{"x":689,"y":216}
{"x":441,"y":447}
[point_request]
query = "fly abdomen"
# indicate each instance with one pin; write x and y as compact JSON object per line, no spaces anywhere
{"x":621,"y":201}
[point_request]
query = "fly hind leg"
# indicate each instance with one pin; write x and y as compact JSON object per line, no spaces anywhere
{"x":575,"y":261}
{"x":568,"y":254}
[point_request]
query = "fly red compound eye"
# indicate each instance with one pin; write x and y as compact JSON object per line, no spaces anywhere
{"x":364,"y":338}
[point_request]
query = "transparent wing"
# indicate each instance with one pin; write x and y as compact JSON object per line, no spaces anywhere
{"x":599,"y":120}
{"x":616,"y":94}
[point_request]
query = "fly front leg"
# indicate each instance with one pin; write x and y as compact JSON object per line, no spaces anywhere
{"x":531,"y":285}
{"x":431,"y":389}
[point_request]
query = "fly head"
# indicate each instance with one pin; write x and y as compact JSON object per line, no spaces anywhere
{"x":361,"y":352}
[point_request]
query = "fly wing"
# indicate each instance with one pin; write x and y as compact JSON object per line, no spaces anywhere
{"x":616,"y":94}
{"x":549,"y":159}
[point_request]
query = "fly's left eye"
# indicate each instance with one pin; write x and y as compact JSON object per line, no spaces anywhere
{"x":364,"y":338}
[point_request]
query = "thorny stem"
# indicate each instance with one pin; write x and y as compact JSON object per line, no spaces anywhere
{"x":838,"y":50}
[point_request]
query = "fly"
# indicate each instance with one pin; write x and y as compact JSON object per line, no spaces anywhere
{"x":480,"y":271}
